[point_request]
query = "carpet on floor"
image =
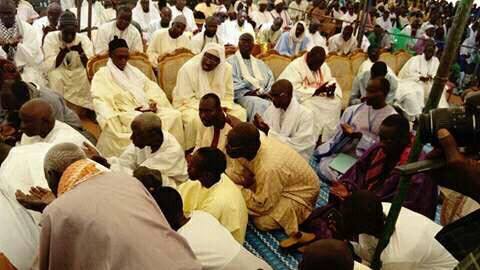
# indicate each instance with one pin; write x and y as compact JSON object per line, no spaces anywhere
{"x":266,"y":244}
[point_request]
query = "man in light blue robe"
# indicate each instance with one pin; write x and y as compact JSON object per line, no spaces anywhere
{"x":358,"y":130}
{"x":294,"y":41}
{"x":252,"y":79}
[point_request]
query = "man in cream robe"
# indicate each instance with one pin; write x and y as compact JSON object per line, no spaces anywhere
{"x":309,"y":76}
{"x":288,"y":121}
{"x":343,"y":43}
{"x":208,"y":35}
{"x":205,"y":73}
{"x":98,"y":14}
{"x":415,"y":82}
{"x":120,"y":94}
{"x":21,"y":44}
{"x":180,"y":8}
{"x":145,"y":13}
{"x":168,"y":40}
{"x":121,"y":28}
{"x":252,"y":79}
{"x":262,"y":16}
{"x":153,"y":148}
{"x":69,"y":78}
{"x":233,"y":29}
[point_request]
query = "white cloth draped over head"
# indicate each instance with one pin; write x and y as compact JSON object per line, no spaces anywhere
{"x":257,"y":78}
{"x":130,"y":79}
{"x":294,"y":41}
{"x":208,"y":81}
{"x":145,"y":18}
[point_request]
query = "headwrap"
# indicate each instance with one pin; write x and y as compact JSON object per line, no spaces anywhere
{"x":77,"y":173}
{"x":260,"y":2}
{"x":278,"y":2}
{"x":294,"y":42}
{"x":117,"y":43}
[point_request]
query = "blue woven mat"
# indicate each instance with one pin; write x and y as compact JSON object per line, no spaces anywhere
{"x":266,"y":244}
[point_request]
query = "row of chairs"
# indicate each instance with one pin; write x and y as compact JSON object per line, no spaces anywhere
{"x":344,"y":68}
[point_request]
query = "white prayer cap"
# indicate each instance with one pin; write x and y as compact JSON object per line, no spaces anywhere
{"x":265,"y":2}
{"x":180,"y":19}
{"x":213,"y":52}
{"x":278,"y":2}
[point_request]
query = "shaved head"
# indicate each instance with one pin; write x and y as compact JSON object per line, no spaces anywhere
{"x":37,"y":108}
{"x":331,"y":254}
{"x":243,"y":141}
{"x":37,"y":118}
{"x":147,"y":121}
{"x":147,"y":131}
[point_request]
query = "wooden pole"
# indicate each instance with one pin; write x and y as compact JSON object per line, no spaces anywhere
{"x":79,"y":14}
{"x":89,"y":19}
{"x":363,"y":22}
{"x":449,"y":55}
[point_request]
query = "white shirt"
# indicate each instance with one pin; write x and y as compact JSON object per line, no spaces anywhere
{"x":107,"y":31}
{"x":386,"y":25}
{"x":188,"y":13}
{"x":61,"y":133}
{"x":217,"y":249}
{"x":412,"y":246}
{"x":169,"y":159}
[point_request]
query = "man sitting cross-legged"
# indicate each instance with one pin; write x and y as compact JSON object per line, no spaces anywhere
{"x":287,"y":120}
{"x":214,"y":192}
{"x":151,"y":147}
{"x":121,"y":92}
{"x":207,"y":72}
{"x":252,"y":78}
{"x":212,"y":244}
{"x":278,"y":185}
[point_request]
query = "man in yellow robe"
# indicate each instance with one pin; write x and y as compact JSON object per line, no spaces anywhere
{"x":279,"y":186}
{"x":214,"y":192}
{"x":205,"y":73}
{"x":121,"y":92}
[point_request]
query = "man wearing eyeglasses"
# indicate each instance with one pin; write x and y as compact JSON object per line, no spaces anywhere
{"x":287,"y":120}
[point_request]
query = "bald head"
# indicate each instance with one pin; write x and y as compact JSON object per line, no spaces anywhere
{"x":37,"y":118}
{"x":243,"y":141}
{"x":331,"y":254}
{"x":54,"y":7}
{"x":147,"y":121}
{"x":147,"y":131}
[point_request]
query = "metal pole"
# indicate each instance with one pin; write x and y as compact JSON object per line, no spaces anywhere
{"x":89,"y":19}
{"x":449,"y":55}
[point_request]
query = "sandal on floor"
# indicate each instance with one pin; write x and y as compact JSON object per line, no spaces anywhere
{"x":297,"y":238}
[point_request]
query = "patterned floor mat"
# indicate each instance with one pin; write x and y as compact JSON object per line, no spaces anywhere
{"x":266,"y":244}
